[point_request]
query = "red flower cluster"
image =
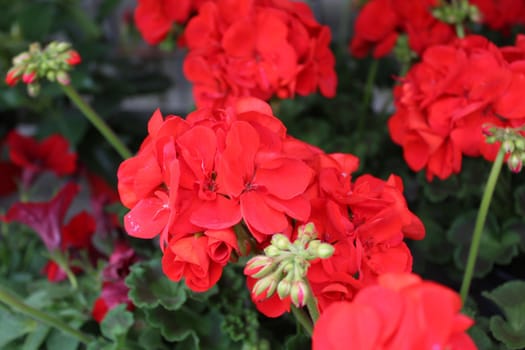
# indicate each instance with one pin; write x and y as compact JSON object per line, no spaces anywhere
{"x":400,"y":312}
{"x":366,"y":221}
{"x":259,"y":48}
{"x":114,"y":290}
{"x":444,"y":101}
{"x":194,"y":179}
{"x":501,"y":15}
{"x":155,"y":18}
{"x":380,"y":22}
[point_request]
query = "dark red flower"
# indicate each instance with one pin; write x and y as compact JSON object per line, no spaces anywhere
{"x":52,"y":154}
{"x":45,"y":218}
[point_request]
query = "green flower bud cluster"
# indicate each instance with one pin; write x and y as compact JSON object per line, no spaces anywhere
{"x":513,"y":143}
{"x":456,"y":12}
{"x":51,"y":63}
{"x":284,"y":266}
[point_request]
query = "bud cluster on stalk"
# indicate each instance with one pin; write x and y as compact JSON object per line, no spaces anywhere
{"x":284,"y":265}
{"x":456,"y":12}
{"x":513,"y":143}
{"x":52,"y":63}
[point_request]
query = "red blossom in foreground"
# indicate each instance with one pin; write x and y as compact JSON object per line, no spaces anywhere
{"x":259,"y":48}
{"x":51,"y":154}
{"x":400,"y":312}
{"x":444,"y":101}
{"x":114,"y":290}
{"x":380,"y":22}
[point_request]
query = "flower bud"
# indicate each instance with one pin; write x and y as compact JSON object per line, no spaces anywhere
{"x":307,"y":230}
{"x":63,"y":78}
{"x":268,"y":284}
{"x":519,"y":143}
{"x":325,"y":250}
{"x":74,"y":58}
{"x":281,"y":241}
{"x":12,"y":77}
{"x":33,"y":89}
{"x":508,"y":146}
{"x":272,"y":251}
{"x":21,"y":58}
{"x":283,"y":288}
{"x":51,"y":76}
{"x":259,"y":266}
{"x":29,"y":77}
{"x":299,"y":293}
{"x":515,"y":163}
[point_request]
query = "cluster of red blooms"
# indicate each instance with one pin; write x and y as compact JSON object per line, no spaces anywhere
{"x":445,"y":100}
{"x":380,"y":22}
{"x":259,"y":48}
{"x":400,"y":312}
{"x":501,"y":15}
{"x":194,"y":179}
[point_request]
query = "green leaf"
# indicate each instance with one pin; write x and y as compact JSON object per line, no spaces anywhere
{"x":117,"y":322}
{"x":13,"y":326}
{"x":495,"y":247}
{"x":298,"y":342}
{"x":149,"y":287}
{"x":176,"y":325}
{"x":150,"y":338}
{"x":36,"y":338}
{"x":510,"y":297}
{"x":59,"y":340}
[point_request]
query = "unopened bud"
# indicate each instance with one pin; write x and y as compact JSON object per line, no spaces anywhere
{"x":33,"y":89}
{"x":259,"y":266}
{"x":51,"y":76}
{"x":515,"y":163}
{"x":268,"y":284}
{"x":519,"y":143}
{"x":272,"y":251}
{"x":508,"y":146}
{"x":63,"y":78}
{"x":29,"y":77}
{"x":307,"y":230}
{"x":283,"y":288}
{"x":299,"y":293}
{"x":325,"y":250}
{"x":21,"y":58}
{"x":281,"y":241}
{"x":74,"y":58}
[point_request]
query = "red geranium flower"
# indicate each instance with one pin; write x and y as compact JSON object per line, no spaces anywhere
{"x":401,"y":312}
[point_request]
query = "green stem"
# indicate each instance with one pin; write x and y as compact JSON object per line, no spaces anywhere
{"x":303,"y":319}
{"x":370,"y":79}
{"x":460,"y":31}
{"x":311,"y":303}
{"x":61,"y":261}
{"x":480,"y":222}
{"x":16,"y":304}
{"x":97,"y":121}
